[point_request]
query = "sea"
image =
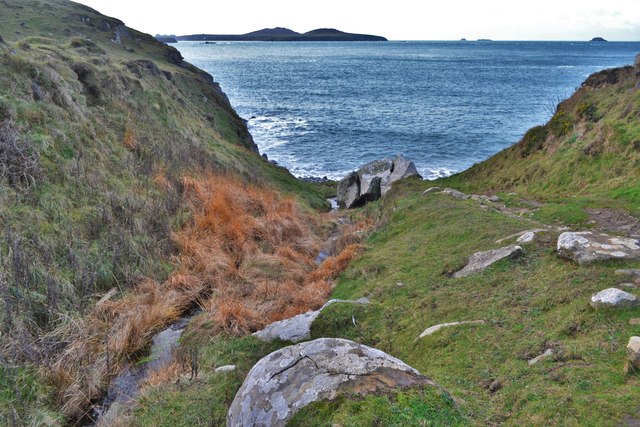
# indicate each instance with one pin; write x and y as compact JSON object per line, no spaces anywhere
{"x":323,"y":109}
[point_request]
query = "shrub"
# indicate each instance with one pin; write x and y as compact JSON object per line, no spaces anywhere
{"x":533,"y":140}
{"x":560,"y":124}
{"x":588,"y":112}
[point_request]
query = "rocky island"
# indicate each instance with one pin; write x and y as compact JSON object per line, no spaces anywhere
{"x":280,"y":34}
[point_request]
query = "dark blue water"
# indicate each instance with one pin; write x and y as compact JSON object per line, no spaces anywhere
{"x":327,"y":108}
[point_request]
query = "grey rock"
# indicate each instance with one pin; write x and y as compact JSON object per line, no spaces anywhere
{"x":494,"y":199}
{"x":432,"y":190}
{"x":285,"y":381}
{"x":633,"y":351}
{"x":373,"y":181}
{"x":225,"y":369}
{"x":433,"y":329}
{"x":586,"y":247}
{"x":544,"y":355}
{"x":527,"y":237}
{"x":298,"y":328}
{"x":637,"y":62}
{"x":519,"y":234}
{"x":402,"y":168}
{"x":482,"y":260}
{"x":348,"y":192}
{"x":613,"y":298}
{"x":455,"y":194}
{"x":371,"y":176}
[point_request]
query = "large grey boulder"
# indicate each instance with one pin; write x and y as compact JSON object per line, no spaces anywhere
{"x":373,"y":181}
{"x":613,"y":298}
{"x":285,"y":381}
{"x":298,"y":328}
{"x":586,"y":247}
{"x":348,"y":192}
{"x":482,"y":260}
{"x":371,"y":177}
{"x":402,"y":168}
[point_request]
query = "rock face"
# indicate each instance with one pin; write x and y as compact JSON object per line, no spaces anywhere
{"x":285,"y":381}
{"x":348,"y":192}
{"x":613,"y":298}
{"x":633,"y":352}
{"x":586,"y":247}
{"x":373,"y":181}
{"x":298,"y":328}
{"x":482,"y":260}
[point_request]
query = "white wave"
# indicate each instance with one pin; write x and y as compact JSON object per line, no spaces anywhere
{"x":271,"y":132}
{"x":431,"y":174}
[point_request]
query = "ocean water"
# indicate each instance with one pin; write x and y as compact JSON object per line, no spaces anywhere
{"x":324,"y":109}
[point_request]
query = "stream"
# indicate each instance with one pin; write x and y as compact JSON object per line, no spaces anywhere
{"x":124,"y":389}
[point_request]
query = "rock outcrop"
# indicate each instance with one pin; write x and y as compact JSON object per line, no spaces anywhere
{"x":613,"y":298}
{"x":482,"y":260}
{"x":586,"y":247}
{"x":285,"y":381}
{"x":373,"y":181}
{"x":298,"y":328}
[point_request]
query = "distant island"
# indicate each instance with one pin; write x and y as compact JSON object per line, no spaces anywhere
{"x":598,"y":39}
{"x":284,"y":35}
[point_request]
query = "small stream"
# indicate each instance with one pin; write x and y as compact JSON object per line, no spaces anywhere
{"x":125,"y":388}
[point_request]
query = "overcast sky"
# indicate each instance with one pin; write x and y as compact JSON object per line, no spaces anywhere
{"x":394,"y":19}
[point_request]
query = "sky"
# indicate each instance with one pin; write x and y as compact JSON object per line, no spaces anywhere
{"x":394,"y":19}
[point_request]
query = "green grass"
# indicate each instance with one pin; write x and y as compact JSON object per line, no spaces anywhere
{"x":205,"y":400}
{"x":428,"y":407}
{"x":529,"y":305}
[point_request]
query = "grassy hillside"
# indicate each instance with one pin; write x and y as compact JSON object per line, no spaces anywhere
{"x":590,"y":148}
{"x":102,"y":132}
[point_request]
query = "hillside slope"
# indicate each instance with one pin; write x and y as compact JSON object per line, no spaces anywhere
{"x":589,"y":148}
{"x":103,"y":134}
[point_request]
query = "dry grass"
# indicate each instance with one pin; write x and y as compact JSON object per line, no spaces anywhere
{"x":246,"y":257}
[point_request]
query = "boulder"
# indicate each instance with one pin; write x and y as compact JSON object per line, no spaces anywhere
{"x":455,"y":194}
{"x":586,"y":247}
{"x":613,"y":298}
{"x":348,"y":192}
{"x":633,"y":351}
{"x":285,"y":381}
{"x":482,"y":260}
{"x":371,"y":176}
{"x":373,"y":181}
{"x":298,"y":328}
{"x":402,"y":168}
{"x":637,"y":63}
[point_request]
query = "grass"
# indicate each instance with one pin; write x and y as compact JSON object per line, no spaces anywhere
{"x":529,"y":305}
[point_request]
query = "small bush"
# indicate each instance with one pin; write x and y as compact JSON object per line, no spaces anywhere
{"x":533,"y":140}
{"x":588,"y":112}
{"x":560,"y":124}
